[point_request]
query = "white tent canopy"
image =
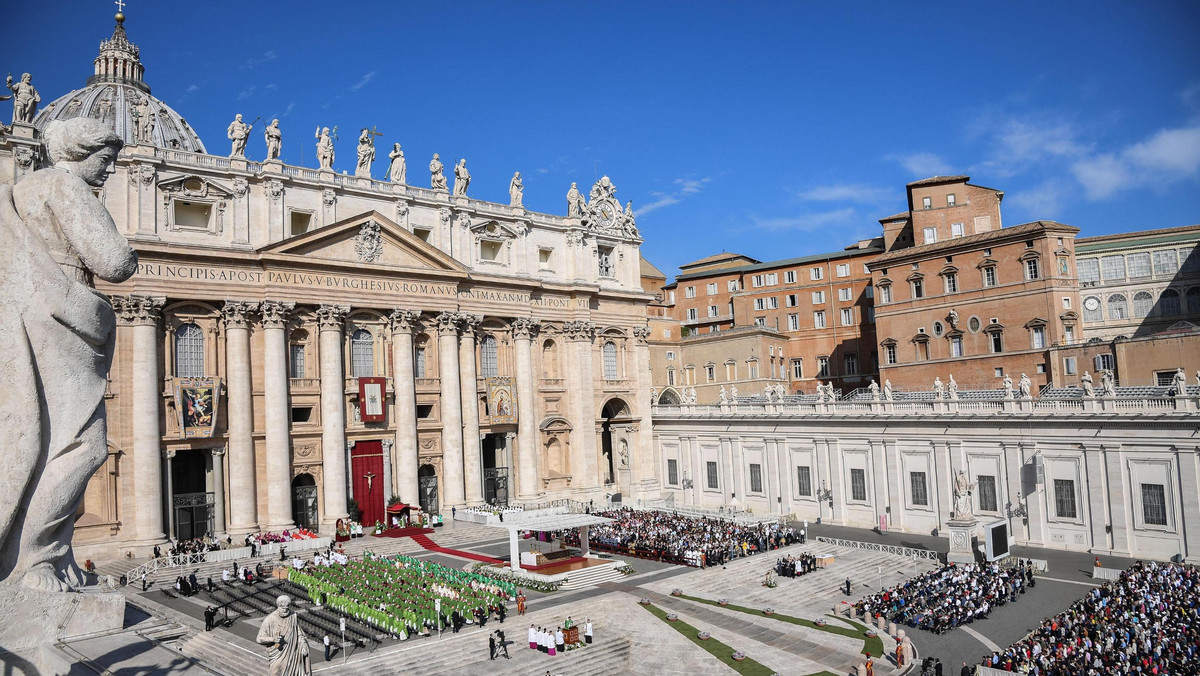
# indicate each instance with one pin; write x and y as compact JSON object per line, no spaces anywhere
{"x":546,"y":522}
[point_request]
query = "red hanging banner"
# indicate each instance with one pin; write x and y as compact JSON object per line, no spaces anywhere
{"x":372,"y":394}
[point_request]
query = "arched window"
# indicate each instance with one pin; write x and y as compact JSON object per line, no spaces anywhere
{"x":1193,"y":300}
{"x":1142,"y":302}
{"x":1118,"y":307}
{"x":189,"y":351}
{"x":1168,"y":302}
{"x":610,"y":360}
{"x":362,"y":354}
{"x":488,"y":356}
{"x":549,"y":359}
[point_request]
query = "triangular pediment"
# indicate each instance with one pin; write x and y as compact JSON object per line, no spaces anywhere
{"x":368,"y":239}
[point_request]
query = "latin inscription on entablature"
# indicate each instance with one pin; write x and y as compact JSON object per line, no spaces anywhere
{"x":313,"y":280}
{"x":521,"y":298}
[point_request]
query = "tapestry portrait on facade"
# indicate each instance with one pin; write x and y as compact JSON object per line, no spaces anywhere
{"x":196,"y":403}
{"x":502,"y":404}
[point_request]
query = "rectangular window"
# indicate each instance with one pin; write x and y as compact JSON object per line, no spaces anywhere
{"x":847,"y":316}
{"x":671,"y":297}
{"x":760,"y":321}
{"x":885,"y":294}
{"x":851,"y":363}
{"x":822,"y":367}
{"x":672,"y":472}
{"x":989,"y":276}
{"x":297,"y":364}
{"x":753,"y":370}
{"x":816,"y":273}
{"x":773,"y":303}
{"x":689,"y":292}
{"x":544,"y":259}
{"x":1066,"y":302}
{"x":732,"y":285}
{"x":1038,"y":338}
{"x":756,"y":478}
{"x":858,"y":485}
{"x":819,"y":319}
{"x":711,"y":288}
{"x":1105,"y":362}
{"x":889,"y":354}
{"x":1112,"y":268}
{"x":930,"y":235}
{"x":951,"y":282}
{"x":789,"y":277}
{"x":714,"y":311}
{"x":710,"y":372}
{"x":712,"y":473}
{"x":301,"y":222}
{"x":760,"y":303}
{"x":419,"y":363}
{"x":791,"y":300}
{"x":956,"y":346}
{"x":804,"y":481}
{"x":604,"y":262}
{"x":793,"y":322}
{"x":843,"y":270}
{"x":1064,"y":499}
{"x":956,"y":229}
{"x":1165,"y":263}
{"x":920,"y":490}
{"x":670,"y":355}
{"x":490,"y":251}
{"x":671,"y":377}
{"x":818,"y":297}
{"x":1069,"y":335}
{"x":926,"y":202}
{"x":846,"y":294}
{"x":1154,"y":504}
{"x":950,"y":200}
{"x":756,"y":281}
{"x":869,"y":292}
{"x":797,"y":369}
{"x":1031,"y":269}
{"x":693,"y":314}
{"x":987,"y":493}
{"x":997,"y":341}
{"x":918,"y":289}
{"x":1138,"y":264}
{"x":1089,"y":270}
{"x":772,"y":278}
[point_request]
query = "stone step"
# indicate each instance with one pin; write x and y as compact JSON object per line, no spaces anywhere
{"x":591,"y":578}
{"x":222,"y":656}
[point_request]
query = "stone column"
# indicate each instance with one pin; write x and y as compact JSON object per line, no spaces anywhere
{"x":243,"y":496}
{"x":218,"y":465}
{"x":452,"y":432}
{"x":581,"y":382}
{"x":403,"y":383}
{"x":331,"y":319}
{"x":278,"y":415}
{"x":472,"y":463}
{"x":524,"y":330}
{"x":642,"y":441}
{"x":170,"y":496}
{"x":141,"y":314}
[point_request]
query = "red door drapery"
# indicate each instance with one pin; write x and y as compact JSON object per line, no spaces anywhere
{"x":366,"y":465}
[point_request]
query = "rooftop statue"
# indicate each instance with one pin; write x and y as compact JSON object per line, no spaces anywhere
{"x":1108,"y":386}
{"x":325,"y":152}
{"x":366,"y":153}
{"x":437,"y":176}
{"x":58,"y":339}
{"x":952,"y":387}
{"x":397,"y":171}
{"x":239,"y":133}
{"x":274,"y":137}
{"x":516,"y":191}
{"x":25,"y":98}
{"x":1086,"y":382}
{"x":462,"y":178}
{"x":575,"y":201}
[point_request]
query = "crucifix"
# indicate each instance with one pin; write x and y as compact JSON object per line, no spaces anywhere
{"x":375,"y":132}
{"x":120,"y":5}
{"x":370,"y":477}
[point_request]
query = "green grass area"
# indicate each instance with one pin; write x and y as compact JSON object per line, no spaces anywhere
{"x":872,"y":645}
{"x":746,"y":667}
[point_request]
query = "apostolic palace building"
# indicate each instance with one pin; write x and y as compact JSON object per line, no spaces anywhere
{"x":302,"y":343}
{"x":296,"y":337}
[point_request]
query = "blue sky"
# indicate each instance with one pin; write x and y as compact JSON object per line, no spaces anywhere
{"x":774,"y":129}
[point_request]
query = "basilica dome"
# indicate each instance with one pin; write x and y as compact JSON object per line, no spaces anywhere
{"x":116,"y":93}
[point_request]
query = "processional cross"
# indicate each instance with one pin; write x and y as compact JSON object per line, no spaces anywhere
{"x":375,"y":132}
{"x":370,"y":477}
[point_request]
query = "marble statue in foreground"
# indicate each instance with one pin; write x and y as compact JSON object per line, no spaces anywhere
{"x":287,"y":649}
{"x":57,"y":339}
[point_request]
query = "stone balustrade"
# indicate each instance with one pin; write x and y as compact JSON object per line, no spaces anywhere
{"x":1184,"y":405}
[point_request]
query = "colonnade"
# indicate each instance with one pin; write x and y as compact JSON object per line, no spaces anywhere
{"x":461,"y":477}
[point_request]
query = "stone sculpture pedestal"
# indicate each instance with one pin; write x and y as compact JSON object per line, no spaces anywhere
{"x":35,"y":621}
{"x":962,"y":541}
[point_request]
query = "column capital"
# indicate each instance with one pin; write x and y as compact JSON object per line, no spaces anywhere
{"x":138,"y":310}
{"x":217,"y":452}
{"x":331,"y":317}
{"x":642,"y":333}
{"x":236,"y":313}
{"x":526,"y":328}
{"x":404,"y":320}
{"x":447,"y":323}
{"x":275,"y":313}
{"x":468,"y":323}
{"x":580,"y":330}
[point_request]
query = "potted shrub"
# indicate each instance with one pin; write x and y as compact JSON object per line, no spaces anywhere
{"x":703,"y":636}
{"x":871,"y":633}
{"x":820,"y":622}
{"x":676,"y":592}
{"x":722,"y":602}
{"x":644,"y":601}
{"x":768,"y":611}
{"x":739,"y":656}
{"x":672,"y":617}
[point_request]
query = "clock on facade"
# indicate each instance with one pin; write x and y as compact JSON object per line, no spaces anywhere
{"x":1091,"y":303}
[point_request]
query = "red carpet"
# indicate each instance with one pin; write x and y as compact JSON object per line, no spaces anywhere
{"x":404,"y":532}
{"x":425,"y":542}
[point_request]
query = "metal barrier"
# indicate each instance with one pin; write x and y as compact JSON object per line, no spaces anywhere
{"x":988,"y":671}
{"x":877,"y":547}
{"x":134,"y":576}
{"x":1106,"y":573}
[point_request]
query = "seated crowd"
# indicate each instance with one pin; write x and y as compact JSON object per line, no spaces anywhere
{"x":1147,"y":622}
{"x":400,"y":594}
{"x":951,"y":596}
{"x":681,"y":539}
